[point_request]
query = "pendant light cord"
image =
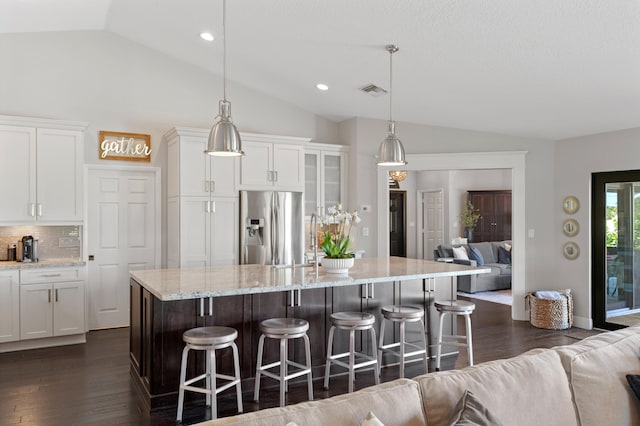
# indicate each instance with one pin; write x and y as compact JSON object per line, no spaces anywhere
{"x":390,"y":83}
{"x":224,"y":50}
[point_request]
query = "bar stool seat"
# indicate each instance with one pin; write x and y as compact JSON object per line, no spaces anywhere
{"x":403,"y":314}
{"x":352,"y":322}
{"x":283,"y":329}
{"x":454,"y":307}
{"x":209,"y":339}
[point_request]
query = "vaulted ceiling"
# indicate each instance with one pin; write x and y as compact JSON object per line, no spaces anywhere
{"x":541,"y":68}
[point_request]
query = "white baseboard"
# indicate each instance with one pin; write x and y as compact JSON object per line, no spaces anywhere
{"x":581,"y":322}
{"x":23,"y":345}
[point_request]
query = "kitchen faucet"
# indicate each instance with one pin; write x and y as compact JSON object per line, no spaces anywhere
{"x":313,"y":237}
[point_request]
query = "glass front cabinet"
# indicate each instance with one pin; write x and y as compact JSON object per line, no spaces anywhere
{"x":325,"y":177}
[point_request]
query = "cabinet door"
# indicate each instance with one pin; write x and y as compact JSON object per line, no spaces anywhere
{"x":223,"y":176}
{"x":9,"y":306}
{"x":503,"y":217}
{"x":288,"y":165}
{"x":312,"y":183}
{"x":193,"y":167}
{"x":194,"y":228}
{"x":256,"y":164}
{"x":332,"y":179}
{"x":224,"y":233}
{"x":36,"y":311}
{"x":17,"y":174}
{"x":68,"y":308}
{"x":59,"y":175}
{"x":312,"y":307}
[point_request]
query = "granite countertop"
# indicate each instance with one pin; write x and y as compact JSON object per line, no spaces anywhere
{"x":48,"y":263}
{"x":215,"y":281}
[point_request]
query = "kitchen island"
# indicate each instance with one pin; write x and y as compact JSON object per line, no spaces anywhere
{"x":167,"y":302}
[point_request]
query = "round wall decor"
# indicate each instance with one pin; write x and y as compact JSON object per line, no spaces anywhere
{"x":570,"y":204}
{"x":570,"y":227}
{"x":571,"y":250}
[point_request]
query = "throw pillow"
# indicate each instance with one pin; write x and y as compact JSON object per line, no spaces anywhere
{"x":507,"y":246}
{"x":474,"y":254}
{"x":371,"y":420}
{"x":460,"y":253}
{"x":634,"y":382}
{"x":504,"y":256}
{"x":470,"y":411}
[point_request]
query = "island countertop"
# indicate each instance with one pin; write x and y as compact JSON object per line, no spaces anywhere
{"x":216,"y":281}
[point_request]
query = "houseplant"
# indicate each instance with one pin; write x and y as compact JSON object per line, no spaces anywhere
{"x":469,"y":218}
{"x":336,"y":240}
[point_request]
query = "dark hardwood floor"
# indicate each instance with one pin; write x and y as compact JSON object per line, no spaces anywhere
{"x":89,"y":384}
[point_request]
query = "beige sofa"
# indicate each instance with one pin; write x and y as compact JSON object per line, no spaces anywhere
{"x":580,"y":384}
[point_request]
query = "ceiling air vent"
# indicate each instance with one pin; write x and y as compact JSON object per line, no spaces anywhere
{"x":373,"y":90}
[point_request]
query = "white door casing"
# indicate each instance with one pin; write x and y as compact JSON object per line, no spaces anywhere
{"x":431,"y":214}
{"x":123,"y":234}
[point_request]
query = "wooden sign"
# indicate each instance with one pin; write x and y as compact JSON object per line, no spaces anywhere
{"x":124,"y":146}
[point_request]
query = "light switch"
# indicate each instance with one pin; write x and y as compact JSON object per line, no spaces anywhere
{"x":365,"y":232}
{"x":532,"y":233}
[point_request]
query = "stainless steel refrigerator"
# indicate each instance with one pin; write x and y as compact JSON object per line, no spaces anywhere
{"x":271,"y":227}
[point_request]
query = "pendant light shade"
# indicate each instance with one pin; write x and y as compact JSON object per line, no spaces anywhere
{"x":224,"y":138}
{"x":391,"y":151}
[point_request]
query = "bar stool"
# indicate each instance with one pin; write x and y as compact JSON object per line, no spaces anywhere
{"x":209,"y":339}
{"x":283,"y":329}
{"x":403,"y":314}
{"x":454,"y":307}
{"x":352,"y":322}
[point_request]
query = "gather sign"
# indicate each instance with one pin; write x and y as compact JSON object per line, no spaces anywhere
{"x":124,"y":146}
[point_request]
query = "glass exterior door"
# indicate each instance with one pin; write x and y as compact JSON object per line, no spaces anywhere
{"x":616,"y":250}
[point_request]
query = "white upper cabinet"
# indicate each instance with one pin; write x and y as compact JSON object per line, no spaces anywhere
{"x":191,"y":173}
{"x":325,"y":177}
{"x":40,"y":171}
{"x":272,"y":163}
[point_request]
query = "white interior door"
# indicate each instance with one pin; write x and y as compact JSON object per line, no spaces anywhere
{"x":432,"y":222}
{"x":123,"y":218}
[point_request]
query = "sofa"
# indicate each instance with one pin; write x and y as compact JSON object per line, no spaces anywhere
{"x":580,"y":384}
{"x":500,"y":276}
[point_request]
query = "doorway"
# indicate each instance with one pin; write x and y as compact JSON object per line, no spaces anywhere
{"x":123,"y":234}
{"x":616,"y":249}
{"x":397,"y":223}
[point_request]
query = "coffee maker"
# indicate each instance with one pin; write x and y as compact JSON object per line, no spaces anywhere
{"x":27,"y":249}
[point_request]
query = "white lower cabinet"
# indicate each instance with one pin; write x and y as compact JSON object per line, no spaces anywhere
{"x":9,"y":306}
{"x":51,"y":308}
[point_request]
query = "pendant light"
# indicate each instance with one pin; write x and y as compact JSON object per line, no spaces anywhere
{"x":391,"y":151}
{"x":224,"y":138}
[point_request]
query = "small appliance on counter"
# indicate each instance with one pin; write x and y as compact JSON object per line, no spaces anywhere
{"x":27,"y":249}
{"x":11,"y":253}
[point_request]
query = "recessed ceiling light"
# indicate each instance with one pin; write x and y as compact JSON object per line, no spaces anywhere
{"x":322,"y":87}
{"x":206,"y":36}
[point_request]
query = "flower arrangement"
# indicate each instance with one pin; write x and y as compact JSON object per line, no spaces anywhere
{"x":336,"y":226}
{"x":469,"y":216}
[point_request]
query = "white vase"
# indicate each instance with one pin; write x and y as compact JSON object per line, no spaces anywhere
{"x":337,"y":266}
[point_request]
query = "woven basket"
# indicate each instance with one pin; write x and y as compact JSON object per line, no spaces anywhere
{"x":550,"y":314}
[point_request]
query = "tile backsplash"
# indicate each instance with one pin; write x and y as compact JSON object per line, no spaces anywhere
{"x":54,"y":242}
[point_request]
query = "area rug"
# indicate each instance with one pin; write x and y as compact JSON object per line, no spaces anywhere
{"x":496,"y":296}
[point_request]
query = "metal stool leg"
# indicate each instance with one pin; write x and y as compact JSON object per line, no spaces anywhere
{"x":352,"y":352}
{"x":208,"y":377}
{"x":256,"y":391}
{"x":307,"y":345}
{"x":380,"y":344}
{"x":467,"y":320}
{"x":439,"y":344}
{"x":402,"y":348}
{"x":212,"y":383}
{"x":236,"y":366}
{"x":283,"y":369}
{"x":424,"y":344}
{"x":327,"y":367}
{"x":183,"y":377}
{"x":374,"y":352}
